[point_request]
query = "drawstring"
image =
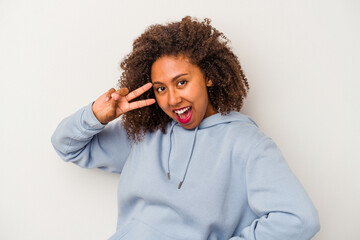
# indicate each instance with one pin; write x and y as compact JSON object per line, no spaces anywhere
{"x":189,"y":159}
{"x":171,"y":129}
{"x":192,"y":149}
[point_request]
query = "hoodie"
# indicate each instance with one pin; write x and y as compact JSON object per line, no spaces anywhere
{"x":223,"y":180}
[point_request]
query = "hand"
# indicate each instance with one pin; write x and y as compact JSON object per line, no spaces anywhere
{"x":112,"y":104}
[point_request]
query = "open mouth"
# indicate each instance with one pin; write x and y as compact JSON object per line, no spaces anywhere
{"x":183,"y":114}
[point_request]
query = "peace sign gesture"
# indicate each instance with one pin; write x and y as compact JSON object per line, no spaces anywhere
{"x":112,"y":104}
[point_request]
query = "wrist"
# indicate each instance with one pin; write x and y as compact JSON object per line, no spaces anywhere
{"x":96,"y":115}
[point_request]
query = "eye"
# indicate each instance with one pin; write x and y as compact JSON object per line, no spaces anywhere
{"x":160,"y":89}
{"x":182,"y":82}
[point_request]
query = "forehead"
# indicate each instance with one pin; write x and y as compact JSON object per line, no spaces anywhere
{"x":167,"y":67}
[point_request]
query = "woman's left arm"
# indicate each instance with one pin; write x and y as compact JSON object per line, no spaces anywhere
{"x":276,"y":196}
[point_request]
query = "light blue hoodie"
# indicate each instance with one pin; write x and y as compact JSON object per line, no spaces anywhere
{"x":235,"y":182}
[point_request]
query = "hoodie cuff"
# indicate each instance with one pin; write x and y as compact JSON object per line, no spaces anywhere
{"x":88,"y":118}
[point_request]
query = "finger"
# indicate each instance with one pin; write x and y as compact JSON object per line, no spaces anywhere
{"x":141,"y":103}
{"x":108,"y":94}
{"x":138,"y":92}
{"x":122,"y":91}
{"x":115,"y":96}
{"x":119,"y":93}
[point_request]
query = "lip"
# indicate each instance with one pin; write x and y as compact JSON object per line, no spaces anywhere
{"x":186,"y":120}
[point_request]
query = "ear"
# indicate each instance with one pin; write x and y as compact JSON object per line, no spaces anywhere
{"x":209,"y":83}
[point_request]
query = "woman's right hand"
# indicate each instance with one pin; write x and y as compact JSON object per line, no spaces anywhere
{"x":112,"y":104}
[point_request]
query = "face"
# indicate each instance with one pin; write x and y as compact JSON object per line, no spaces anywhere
{"x":180,"y":90}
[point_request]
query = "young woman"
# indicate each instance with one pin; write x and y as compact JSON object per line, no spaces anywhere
{"x":192,"y":166}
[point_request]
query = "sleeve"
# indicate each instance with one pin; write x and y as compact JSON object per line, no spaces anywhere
{"x":276,"y":196}
{"x":83,"y":140}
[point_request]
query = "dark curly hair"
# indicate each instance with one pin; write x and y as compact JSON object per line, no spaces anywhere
{"x":205,"y":47}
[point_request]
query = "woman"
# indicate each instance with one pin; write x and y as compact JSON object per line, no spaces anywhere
{"x":192,"y":166}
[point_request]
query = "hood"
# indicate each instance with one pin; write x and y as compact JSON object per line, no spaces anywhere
{"x":189,"y":136}
{"x":218,"y":118}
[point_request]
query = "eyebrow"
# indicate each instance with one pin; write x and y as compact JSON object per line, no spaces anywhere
{"x":173,"y":79}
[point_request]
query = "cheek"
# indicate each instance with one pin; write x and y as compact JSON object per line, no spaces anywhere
{"x":201,"y":93}
{"x":161,"y":102}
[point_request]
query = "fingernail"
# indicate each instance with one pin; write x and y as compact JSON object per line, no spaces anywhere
{"x":107,"y":99}
{"x":115,"y":97}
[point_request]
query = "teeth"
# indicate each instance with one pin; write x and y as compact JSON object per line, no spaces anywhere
{"x":182,"y":110}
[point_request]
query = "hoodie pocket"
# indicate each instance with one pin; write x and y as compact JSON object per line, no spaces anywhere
{"x":139,"y":230}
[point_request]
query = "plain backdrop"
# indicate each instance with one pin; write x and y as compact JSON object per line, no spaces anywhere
{"x":301,"y":59}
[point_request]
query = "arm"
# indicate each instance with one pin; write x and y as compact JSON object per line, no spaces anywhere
{"x":83,"y":140}
{"x":276,"y":196}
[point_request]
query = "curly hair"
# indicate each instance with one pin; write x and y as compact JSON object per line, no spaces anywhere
{"x":205,"y":47}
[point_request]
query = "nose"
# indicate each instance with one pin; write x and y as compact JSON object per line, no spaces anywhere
{"x":174,"y":98}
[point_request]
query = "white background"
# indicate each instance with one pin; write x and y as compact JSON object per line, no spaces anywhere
{"x":301,"y":58}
